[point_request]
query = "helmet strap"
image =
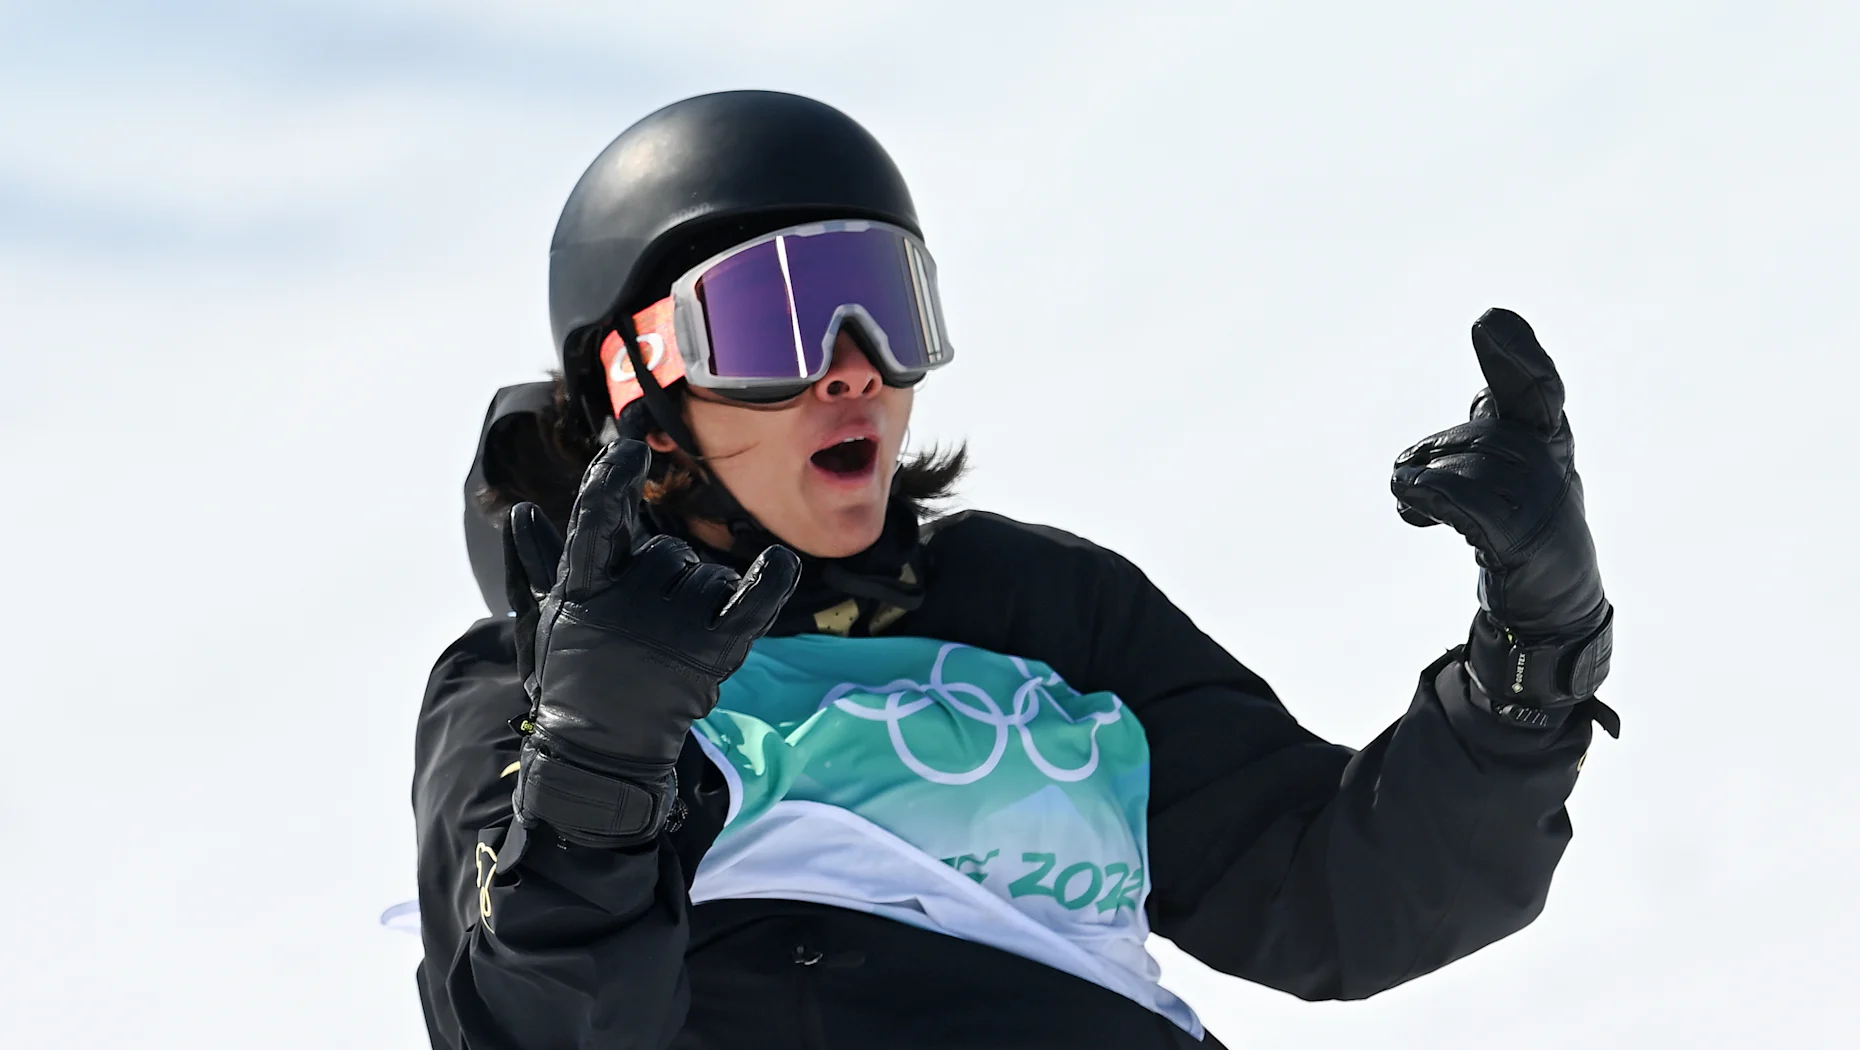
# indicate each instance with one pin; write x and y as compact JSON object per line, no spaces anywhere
{"x":747,"y":535}
{"x":664,"y":413}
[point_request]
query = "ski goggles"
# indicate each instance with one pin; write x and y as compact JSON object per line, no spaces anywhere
{"x":758,"y":323}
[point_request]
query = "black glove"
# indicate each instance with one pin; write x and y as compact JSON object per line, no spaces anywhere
{"x":633,"y":636}
{"x":1507,"y":482}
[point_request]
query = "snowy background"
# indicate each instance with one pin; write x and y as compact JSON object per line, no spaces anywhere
{"x":1210,"y":267}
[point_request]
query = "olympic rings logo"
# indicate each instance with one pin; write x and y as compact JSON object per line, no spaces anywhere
{"x":904,"y":698}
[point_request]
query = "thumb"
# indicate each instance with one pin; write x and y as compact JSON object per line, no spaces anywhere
{"x":1522,"y":384}
{"x":537,"y":547}
{"x":759,"y":596}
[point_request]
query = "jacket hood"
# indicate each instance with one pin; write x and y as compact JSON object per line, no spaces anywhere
{"x":512,"y":407}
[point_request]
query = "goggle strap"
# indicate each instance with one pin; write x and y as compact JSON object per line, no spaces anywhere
{"x":658,"y":404}
{"x":747,"y":535}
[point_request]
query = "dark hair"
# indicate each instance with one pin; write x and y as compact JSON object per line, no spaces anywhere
{"x":543,"y":464}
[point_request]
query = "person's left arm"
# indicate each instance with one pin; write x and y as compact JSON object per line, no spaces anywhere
{"x":1331,"y":873}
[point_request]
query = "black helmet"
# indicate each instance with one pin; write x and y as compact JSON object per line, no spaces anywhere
{"x":692,"y":180}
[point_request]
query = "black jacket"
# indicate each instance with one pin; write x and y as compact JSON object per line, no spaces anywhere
{"x":1279,"y":858}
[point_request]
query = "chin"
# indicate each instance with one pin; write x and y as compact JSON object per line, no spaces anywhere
{"x":848,"y":532}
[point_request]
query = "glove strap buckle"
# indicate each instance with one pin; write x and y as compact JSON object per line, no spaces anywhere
{"x":587,"y":807}
{"x":1525,"y":681}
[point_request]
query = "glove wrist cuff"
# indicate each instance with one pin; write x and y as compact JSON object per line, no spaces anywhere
{"x":1543,"y":675}
{"x":589,"y":808}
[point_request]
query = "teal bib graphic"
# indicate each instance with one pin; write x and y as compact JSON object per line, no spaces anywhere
{"x":991,"y":764}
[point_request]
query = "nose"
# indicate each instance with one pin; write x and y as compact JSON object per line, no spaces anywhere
{"x":852,"y":376}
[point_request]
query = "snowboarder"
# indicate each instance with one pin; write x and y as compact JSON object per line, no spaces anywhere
{"x":754,"y":753}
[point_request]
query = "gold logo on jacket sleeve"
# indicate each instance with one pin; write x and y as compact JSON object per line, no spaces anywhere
{"x":485,"y":874}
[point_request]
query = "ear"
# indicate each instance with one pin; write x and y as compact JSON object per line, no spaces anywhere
{"x":661,"y":443}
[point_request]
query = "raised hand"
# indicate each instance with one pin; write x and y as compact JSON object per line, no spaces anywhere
{"x":1506,"y":481}
{"x":633,"y":636}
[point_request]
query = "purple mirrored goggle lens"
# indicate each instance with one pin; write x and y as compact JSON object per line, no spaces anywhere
{"x":771,"y":311}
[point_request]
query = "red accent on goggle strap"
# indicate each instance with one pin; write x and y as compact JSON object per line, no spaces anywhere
{"x":658,"y":348}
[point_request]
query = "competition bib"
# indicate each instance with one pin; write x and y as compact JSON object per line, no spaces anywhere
{"x":943,"y":785}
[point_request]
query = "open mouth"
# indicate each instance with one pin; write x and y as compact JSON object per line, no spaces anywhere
{"x":851,"y":458}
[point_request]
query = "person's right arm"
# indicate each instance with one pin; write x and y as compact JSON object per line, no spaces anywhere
{"x":584,"y":941}
{"x":572,"y":927}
